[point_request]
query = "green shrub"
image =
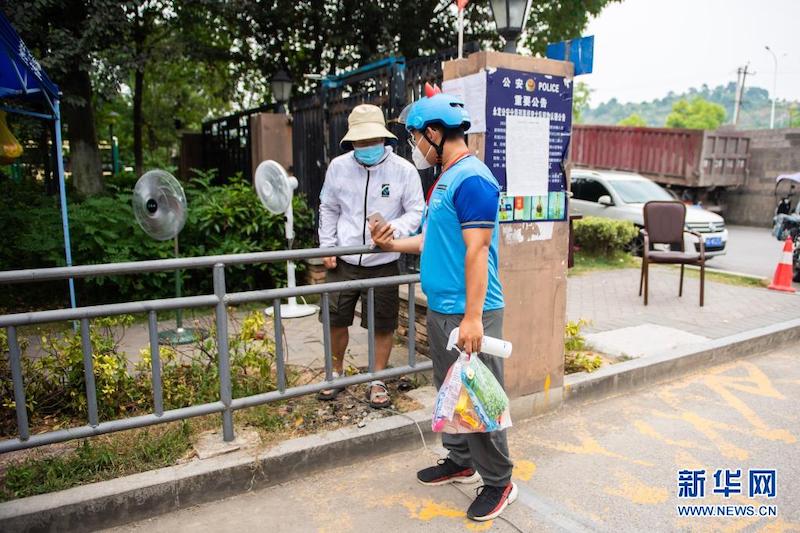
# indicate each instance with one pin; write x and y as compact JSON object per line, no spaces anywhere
{"x":573,"y":340}
{"x":581,"y":362}
{"x":603,"y":236}
{"x":21,"y":204}
{"x":222,"y":219}
{"x":230,"y":219}
{"x":575,"y":358}
{"x":55,"y":386}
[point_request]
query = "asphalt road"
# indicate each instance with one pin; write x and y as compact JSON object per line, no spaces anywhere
{"x":750,"y":251}
{"x":607,"y":466}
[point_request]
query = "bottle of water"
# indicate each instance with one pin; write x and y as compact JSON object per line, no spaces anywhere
{"x":489,"y":345}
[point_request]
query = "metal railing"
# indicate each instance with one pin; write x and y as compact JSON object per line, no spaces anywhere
{"x":220,"y":300}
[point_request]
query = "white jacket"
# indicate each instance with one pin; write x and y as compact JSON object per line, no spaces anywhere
{"x":352,"y":192}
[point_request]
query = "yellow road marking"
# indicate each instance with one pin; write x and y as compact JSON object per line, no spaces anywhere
{"x":523,"y":469}
{"x":426,"y":509}
{"x":646,"y":429}
{"x":587,"y":445}
{"x":636,"y":491}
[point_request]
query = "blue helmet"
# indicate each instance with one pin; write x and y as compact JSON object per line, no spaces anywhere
{"x":441,"y":108}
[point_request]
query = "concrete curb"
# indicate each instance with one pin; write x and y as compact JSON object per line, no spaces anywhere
{"x":622,"y":377}
{"x":140,"y":496}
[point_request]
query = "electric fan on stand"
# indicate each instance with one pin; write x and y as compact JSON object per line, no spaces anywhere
{"x":275,"y":189}
{"x":159,"y":206}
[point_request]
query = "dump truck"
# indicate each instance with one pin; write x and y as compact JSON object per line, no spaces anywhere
{"x":695,"y":164}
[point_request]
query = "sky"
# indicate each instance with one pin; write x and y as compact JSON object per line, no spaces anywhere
{"x":645,"y":48}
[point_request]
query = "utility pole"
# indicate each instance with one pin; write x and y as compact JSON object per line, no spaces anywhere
{"x":736,"y":96}
{"x":741,"y":74}
{"x":774,"y":87}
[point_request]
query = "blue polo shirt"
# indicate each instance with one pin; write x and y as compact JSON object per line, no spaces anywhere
{"x":466,"y":196}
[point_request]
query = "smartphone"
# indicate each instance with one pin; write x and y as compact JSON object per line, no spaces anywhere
{"x":377,"y":220}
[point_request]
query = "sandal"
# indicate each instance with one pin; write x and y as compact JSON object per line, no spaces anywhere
{"x":372,"y":396}
{"x":327,"y":395}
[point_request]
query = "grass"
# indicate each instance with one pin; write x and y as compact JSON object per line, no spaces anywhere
{"x":728,"y":279}
{"x":60,"y":467}
{"x":585,"y":263}
{"x":97,"y":460}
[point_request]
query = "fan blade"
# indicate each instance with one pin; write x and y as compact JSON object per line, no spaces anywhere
{"x":159,"y":204}
{"x":272,"y":186}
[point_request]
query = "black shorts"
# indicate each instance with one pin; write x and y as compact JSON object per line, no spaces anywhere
{"x":343,"y":304}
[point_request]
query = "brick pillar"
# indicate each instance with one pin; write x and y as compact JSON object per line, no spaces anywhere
{"x":271,"y":138}
{"x":533,"y":272}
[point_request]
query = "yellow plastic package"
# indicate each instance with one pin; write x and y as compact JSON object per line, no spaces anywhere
{"x":10,"y":148}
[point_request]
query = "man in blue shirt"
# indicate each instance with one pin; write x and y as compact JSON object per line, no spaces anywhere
{"x":459,"y":275}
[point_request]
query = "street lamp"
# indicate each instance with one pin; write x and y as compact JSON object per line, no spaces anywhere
{"x":281,"y":85}
{"x":509,"y":17}
{"x":774,"y":87}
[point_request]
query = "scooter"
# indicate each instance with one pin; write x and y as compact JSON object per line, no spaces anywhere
{"x":786,"y":221}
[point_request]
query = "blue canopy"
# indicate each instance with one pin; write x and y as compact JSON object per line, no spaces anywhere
{"x":20,"y":73}
{"x":21,"y":76}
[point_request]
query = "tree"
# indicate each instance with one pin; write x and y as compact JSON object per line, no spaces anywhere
{"x":328,"y":37}
{"x":634,"y":119}
{"x":66,"y":38}
{"x":169,"y":70}
{"x":697,"y":114}
{"x":581,"y":95}
{"x":551,"y":21}
{"x":794,"y":116}
{"x":147,"y":28}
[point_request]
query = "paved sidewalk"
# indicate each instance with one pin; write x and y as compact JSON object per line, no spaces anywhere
{"x":604,"y":466}
{"x":610,"y":301}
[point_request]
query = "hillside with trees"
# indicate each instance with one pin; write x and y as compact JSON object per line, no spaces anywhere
{"x":755,"y":108}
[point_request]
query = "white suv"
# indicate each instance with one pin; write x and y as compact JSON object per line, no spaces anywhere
{"x":622,"y":195}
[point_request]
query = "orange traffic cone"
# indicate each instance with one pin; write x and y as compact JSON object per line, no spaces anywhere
{"x":782,"y":281}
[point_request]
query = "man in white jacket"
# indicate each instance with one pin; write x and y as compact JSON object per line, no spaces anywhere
{"x":369,"y":179}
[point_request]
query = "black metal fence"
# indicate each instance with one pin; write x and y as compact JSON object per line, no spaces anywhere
{"x":320,"y":120}
{"x":221,"y":300}
{"x":227,"y":144}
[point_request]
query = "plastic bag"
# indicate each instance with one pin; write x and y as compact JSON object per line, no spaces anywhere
{"x":470,"y":400}
{"x":10,"y":148}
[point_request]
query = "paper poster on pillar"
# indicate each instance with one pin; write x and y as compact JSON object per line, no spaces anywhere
{"x":531,"y":115}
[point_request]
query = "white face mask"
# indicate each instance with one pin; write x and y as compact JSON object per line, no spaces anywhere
{"x":420,"y":159}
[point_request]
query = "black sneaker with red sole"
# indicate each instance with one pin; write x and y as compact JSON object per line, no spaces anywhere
{"x":447,"y":471}
{"x":491,"y":501}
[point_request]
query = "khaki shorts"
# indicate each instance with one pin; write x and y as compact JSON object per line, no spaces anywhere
{"x":343,"y":304}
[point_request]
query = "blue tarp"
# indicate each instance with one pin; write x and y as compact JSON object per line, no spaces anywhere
{"x":20,"y":72}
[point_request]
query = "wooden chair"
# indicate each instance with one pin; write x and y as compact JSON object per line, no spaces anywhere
{"x":664,"y":223}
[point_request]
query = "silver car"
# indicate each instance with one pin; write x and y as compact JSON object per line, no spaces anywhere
{"x":622,"y":195}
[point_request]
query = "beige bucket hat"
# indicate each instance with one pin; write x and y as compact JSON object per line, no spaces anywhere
{"x":366,"y":122}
